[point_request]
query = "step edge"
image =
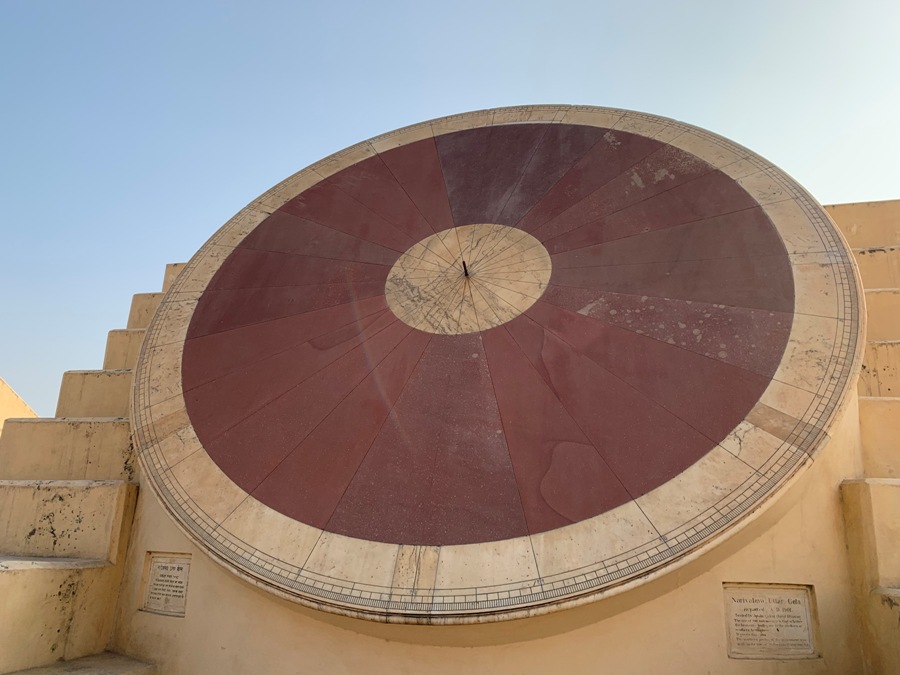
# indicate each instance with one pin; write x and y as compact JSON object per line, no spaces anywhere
{"x":12,"y":563}
{"x":60,"y":483}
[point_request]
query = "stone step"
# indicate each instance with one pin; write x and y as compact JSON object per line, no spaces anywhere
{"x":143,"y":306}
{"x":54,"y":608}
{"x":107,"y":663}
{"x":879,"y":266}
{"x":880,"y":374}
{"x":879,"y":429}
{"x":883,"y":310}
{"x":868,"y":224}
{"x":881,"y":617}
{"x":122,"y":348}
{"x":64,"y":519}
{"x":94,"y":393}
{"x":871,"y":506}
{"x":14,"y":563}
{"x":172,"y":272}
{"x":67,"y":449}
{"x":872,"y":529}
{"x":59,"y":582}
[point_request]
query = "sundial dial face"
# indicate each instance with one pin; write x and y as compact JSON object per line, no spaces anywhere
{"x":652,"y":333}
{"x":468,"y":279}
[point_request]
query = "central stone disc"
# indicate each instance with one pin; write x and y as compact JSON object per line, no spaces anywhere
{"x":468,"y":279}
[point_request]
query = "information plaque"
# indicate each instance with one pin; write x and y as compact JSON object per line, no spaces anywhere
{"x":167,"y":583}
{"x":770,"y":621}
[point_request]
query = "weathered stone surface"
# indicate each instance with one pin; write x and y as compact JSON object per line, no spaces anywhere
{"x":122,"y":348}
{"x":879,"y":428}
{"x":143,"y":305}
{"x":172,"y":272}
{"x":879,"y":266}
{"x":94,"y":393}
{"x":67,"y":449}
{"x":63,"y":519}
{"x":107,"y":663}
{"x":880,"y":374}
{"x":883,"y":314}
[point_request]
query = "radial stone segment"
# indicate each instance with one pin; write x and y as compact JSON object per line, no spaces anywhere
{"x":496,"y":364}
{"x":468,"y":279}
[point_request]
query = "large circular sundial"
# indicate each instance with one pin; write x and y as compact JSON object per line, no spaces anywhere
{"x":497,"y":363}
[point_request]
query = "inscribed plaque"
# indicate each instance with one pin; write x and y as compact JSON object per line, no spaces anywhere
{"x":166,"y":585}
{"x":770,"y":622}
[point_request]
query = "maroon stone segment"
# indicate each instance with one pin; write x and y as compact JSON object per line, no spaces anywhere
{"x":750,"y":235}
{"x":561,"y":146}
{"x":760,"y":283}
{"x":720,"y":394}
{"x":210,"y":357}
{"x":663,"y":170}
{"x":227,"y":309}
{"x":668,"y":311}
{"x":328,"y":205}
{"x":219,"y":404}
{"x":249,"y":268}
{"x":468,"y":158}
{"x":283,"y":233}
{"x":644,"y":444}
{"x":417,"y":169}
{"x":371,"y":183}
{"x":613,"y":154}
{"x":540,"y":431}
{"x":309,"y":482}
{"x":252,"y":447}
{"x":439,"y":471}
{"x":751,"y":339}
{"x":702,"y":199}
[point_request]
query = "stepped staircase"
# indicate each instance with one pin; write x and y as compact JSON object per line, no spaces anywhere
{"x":872,"y":503}
{"x":68,"y":487}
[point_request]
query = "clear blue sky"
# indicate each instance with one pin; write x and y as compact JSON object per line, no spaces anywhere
{"x":130,"y":132}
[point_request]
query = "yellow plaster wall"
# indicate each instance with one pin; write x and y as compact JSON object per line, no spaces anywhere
{"x":12,"y":405}
{"x":868,"y":224}
{"x":675,"y":624}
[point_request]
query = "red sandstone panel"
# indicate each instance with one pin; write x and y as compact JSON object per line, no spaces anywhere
{"x":663,"y":170}
{"x":210,"y":357}
{"x":249,"y":268}
{"x":327,"y":205}
{"x":710,"y":195}
{"x":228,"y":309}
{"x":310,"y":481}
{"x":558,"y":150}
{"x":417,"y":168}
{"x":253,"y":447}
{"x":710,"y":395}
{"x":441,"y":459}
{"x":752,"y":339}
{"x":761,"y":283}
{"x":642,"y":443}
{"x":372,"y":184}
{"x":482,"y":167}
{"x":613,"y":154}
{"x":745,"y":234}
{"x":284,"y":233}
{"x":544,"y":441}
{"x":219,"y":404}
